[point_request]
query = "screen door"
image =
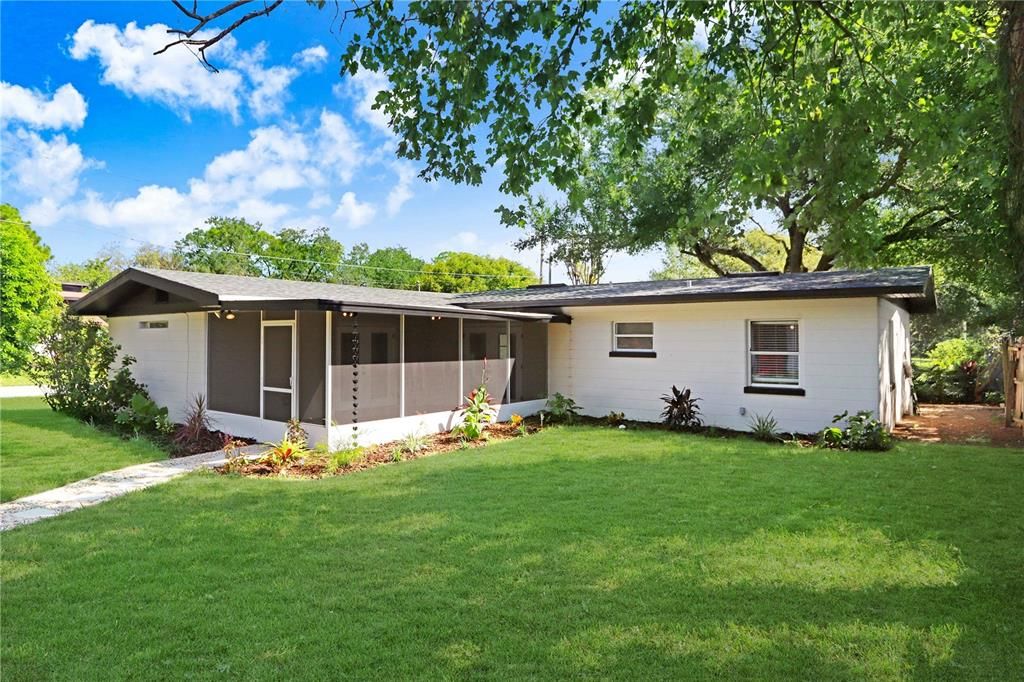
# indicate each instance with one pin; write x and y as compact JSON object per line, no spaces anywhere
{"x":278,"y":370}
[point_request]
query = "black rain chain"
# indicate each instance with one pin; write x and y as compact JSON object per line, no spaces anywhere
{"x":355,"y":379}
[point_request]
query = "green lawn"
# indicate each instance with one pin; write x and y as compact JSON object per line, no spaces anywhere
{"x":15,"y":380}
{"x":41,"y":449}
{"x":577,"y":552}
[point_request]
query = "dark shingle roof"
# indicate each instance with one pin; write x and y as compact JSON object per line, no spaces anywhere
{"x":209,"y":291}
{"x":242,"y":288}
{"x":213,"y":291}
{"x":911,"y":283}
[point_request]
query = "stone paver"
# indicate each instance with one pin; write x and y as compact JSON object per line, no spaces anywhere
{"x":102,"y":487}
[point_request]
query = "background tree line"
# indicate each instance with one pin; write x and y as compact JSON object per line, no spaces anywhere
{"x":234,"y":246}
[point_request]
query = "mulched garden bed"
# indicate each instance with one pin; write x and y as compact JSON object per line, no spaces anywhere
{"x":319,"y":465}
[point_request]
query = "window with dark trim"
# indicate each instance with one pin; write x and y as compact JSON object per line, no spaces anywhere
{"x":633,"y":337}
{"x":774,"y":352}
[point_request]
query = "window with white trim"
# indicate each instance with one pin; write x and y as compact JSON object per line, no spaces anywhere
{"x":633,"y":337}
{"x":774,"y":353}
{"x":153,"y":324}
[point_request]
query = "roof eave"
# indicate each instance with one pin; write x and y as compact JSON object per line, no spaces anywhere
{"x":712,"y":297}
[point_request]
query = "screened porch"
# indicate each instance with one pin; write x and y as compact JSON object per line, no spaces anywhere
{"x":341,"y":368}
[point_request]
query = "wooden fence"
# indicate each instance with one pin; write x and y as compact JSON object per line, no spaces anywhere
{"x":1013,"y":381}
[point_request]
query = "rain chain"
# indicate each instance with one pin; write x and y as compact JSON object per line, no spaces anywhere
{"x":355,"y":379}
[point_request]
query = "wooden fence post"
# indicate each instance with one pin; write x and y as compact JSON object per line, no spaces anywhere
{"x":1008,"y":393}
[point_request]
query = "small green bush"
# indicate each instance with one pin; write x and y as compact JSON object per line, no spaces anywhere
{"x":142,"y":417}
{"x":560,"y":409}
{"x":765,"y":427}
{"x":951,"y":371}
{"x":78,"y":361}
{"x":862,"y":432}
{"x":476,"y":414}
{"x":615,"y":418}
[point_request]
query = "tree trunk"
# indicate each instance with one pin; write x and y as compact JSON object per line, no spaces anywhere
{"x":795,"y":257}
{"x":1013,"y":62}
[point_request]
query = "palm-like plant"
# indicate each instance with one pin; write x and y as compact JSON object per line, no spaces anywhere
{"x":681,"y":410}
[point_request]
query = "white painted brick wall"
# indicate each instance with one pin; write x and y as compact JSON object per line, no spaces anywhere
{"x":171,"y":362}
{"x":703,"y":346}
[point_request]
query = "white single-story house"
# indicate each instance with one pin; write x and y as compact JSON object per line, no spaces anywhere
{"x":379,"y":364}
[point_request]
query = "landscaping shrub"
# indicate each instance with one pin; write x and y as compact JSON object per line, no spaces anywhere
{"x":862,"y":432}
{"x":765,"y":427}
{"x":142,"y":417}
{"x":194,"y":434}
{"x":561,"y":410}
{"x":615,"y":418}
{"x":78,"y":361}
{"x":519,"y":423}
{"x":285,"y":451}
{"x":476,"y":414}
{"x":681,"y":410}
{"x":959,"y":370}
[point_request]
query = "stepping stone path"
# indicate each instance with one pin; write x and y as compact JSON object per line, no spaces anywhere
{"x":108,"y":485}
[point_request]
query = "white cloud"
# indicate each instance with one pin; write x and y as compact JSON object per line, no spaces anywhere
{"x":269,"y":84}
{"x":319,"y":200}
{"x":352,"y":212}
{"x":402,"y":191}
{"x":43,"y":169}
{"x":249,"y":182}
{"x":363,"y":88}
{"x":65,"y":108}
{"x":337,"y":146}
{"x":175,"y":78}
{"x":311,"y":57}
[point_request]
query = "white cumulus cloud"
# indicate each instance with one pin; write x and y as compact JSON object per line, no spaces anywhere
{"x":257,"y":182}
{"x":175,"y":79}
{"x":311,"y":57}
{"x":65,"y":108}
{"x":352,"y":212}
{"x":41,"y":168}
{"x":363,"y":88}
{"x":402,"y":191}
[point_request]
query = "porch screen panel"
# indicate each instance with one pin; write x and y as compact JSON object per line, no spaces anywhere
{"x":485,"y":353}
{"x":277,"y":357}
{"x":312,"y":349}
{"x":431,"y":364}
{"x":379,"y":369}
{"x":277,"y":406}
{"x":233,"y":364}
{"x":529,"y":361}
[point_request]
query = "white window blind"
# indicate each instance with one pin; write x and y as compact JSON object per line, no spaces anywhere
{"x":633,"y":337}
{"x":775,"y":353}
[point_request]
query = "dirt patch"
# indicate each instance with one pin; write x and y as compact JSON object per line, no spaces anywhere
{"x":979,"y":424}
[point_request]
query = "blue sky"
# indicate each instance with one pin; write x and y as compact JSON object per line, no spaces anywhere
{"x":103,"y":143}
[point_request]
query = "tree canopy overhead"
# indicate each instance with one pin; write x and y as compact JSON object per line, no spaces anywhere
{"x":869,"y":129}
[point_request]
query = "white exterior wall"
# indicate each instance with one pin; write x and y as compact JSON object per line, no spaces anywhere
{"x":170,"y":362}
{"x":703,"y":346}
{"x":560,"y":359}
{"x":894,"y":384}
{"x":385,"y":430}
